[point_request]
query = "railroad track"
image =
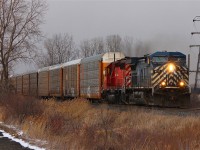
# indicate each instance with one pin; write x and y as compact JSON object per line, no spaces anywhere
{"x":178,"y":111}
{"x":162,"y":110}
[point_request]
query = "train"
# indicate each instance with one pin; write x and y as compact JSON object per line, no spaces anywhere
{"x":160,"y":78}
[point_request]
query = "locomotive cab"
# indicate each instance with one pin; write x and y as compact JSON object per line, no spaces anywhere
{"x":170,"y":78}
{"x":169,"y":70}
{"x":119,"y":74}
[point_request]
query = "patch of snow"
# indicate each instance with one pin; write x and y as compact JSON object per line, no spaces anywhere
{"x":20,"y":133}
{"x":20,"y":141}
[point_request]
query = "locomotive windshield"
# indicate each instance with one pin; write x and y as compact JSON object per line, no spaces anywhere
{"x":180,"y":60}
{"x":158,"y":60}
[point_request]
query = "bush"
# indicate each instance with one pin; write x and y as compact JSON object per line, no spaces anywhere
{"x":20,"y":107}
{"x":55,"y":124}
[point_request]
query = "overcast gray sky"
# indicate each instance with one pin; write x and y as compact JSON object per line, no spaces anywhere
{"x":143,"y":20}
{"x":165,"y":24}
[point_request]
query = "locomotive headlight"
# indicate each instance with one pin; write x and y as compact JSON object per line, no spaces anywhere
{"x":181,"y":84}
{"x":163,"y":83}
{"x":171,"y":67}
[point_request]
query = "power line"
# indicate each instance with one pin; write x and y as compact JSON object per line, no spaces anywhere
{"x":197,"y":18}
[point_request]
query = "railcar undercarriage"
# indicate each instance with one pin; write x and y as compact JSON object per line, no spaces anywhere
{"x":168,"y":97}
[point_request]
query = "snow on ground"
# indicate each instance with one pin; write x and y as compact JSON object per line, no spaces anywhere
{"x":20,"y":141}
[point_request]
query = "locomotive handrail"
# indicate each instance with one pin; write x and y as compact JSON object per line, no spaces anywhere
{"x":142,"y":81}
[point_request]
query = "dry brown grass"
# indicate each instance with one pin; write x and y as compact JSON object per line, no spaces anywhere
{"x":20,"y":107}
{"x":79,"y":125}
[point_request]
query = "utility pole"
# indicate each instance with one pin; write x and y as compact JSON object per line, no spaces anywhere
{"x":197,"y":18}
{"x":198,"y":69}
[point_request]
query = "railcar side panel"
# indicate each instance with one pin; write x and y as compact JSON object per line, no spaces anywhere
{"x":19,"y":85}
{"x":89,"y":79}
{"x":78,"y":81}
{"x":71,"y":80}
{"x":43,"y":83}
{"x":55,"y":82}
{"x":13,"y":82}
{"x":33,"y":84}
{"x":26,"y":84}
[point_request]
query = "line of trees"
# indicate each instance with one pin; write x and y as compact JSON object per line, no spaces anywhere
{"x":61,"y":48}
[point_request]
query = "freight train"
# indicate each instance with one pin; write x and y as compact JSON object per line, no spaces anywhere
{"x":161,"y":78}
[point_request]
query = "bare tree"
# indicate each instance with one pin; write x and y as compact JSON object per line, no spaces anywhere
{"x":134,"y":47}
{"x":92,"y":47}
{"x":114,"y":43}
{"x":128,"y":46}
{"x":85,"y":48}
{"x":20,"y":22}
{"x":142,"y":48}
{"x":59,"y":49}
{"x":97,"y":45}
